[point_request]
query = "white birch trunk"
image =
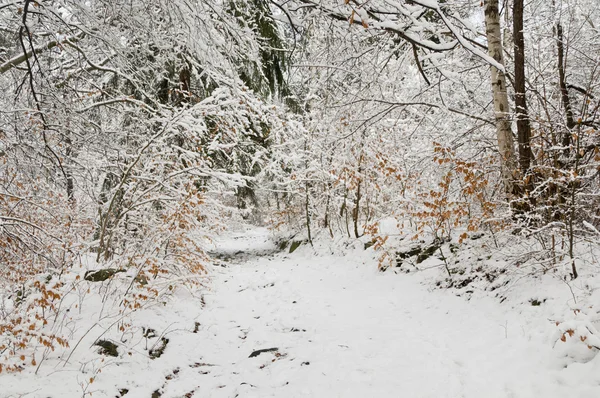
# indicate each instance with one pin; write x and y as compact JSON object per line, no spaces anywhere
{"x":504,"y":134}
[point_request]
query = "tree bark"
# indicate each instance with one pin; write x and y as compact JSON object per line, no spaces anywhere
{"x":500,"y":99}
{"x":523,"y":126}
{"x":564,"y":92}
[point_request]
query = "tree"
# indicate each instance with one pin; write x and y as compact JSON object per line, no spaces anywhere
{"x":510,"y":174}
{"x":523,"y":126}
{"x":126,"y":128}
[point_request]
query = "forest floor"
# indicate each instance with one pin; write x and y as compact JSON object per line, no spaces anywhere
{"x":330,"y":326}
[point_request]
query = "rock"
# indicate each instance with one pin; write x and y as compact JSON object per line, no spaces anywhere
{"x":413,"y":251}
{"x":536,"y":302}
{"x":407,"y":253}
{"x":427,"y":252}
{"x":258,"y":352}
{"x":101,"y":275}
{"x":107,"y":348}
{"x":370,"y":243}
{"x":156,"y":394}
{"x":283,"y":245}
{"x":157,"y":351}
{"x":295,"y":244}
{"x":123,"y":392}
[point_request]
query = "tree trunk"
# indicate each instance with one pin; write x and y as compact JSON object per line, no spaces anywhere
{"x":356,"y":211}
{"x":565,"y":134}
{"x":523,"y":126}
{"x":307,"y":211}
{"x":358,"y":197}
{"x":501,"y":109}
{"x":307,"y":198}
{"x":68,"y":174}
{"x":566,"y":137}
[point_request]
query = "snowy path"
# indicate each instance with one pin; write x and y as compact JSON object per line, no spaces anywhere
{"x":344,"y":330}
{"x":341,"y":329}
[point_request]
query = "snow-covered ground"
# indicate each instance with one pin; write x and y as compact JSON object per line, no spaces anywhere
{"x":338,"y":327}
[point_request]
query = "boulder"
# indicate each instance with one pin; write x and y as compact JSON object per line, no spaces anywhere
{"x":101,"y":275}
{"x":107,"y":348}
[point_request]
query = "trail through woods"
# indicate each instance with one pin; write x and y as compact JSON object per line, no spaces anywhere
{"x":320,"y":325}
{"x":344,"y":330}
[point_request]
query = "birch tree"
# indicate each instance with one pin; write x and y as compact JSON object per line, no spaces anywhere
{"x":502,"y":113}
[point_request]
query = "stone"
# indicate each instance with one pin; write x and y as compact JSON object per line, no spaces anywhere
{"x":107,"y":348}
{"x":258,"y":352}
{"x":101,"y":275}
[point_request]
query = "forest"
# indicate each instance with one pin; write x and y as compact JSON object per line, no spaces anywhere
{"x":423,"y":134}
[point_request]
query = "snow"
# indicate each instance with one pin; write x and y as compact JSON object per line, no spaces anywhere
{"x":341,"y":329}
{"x":387,"y":24}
